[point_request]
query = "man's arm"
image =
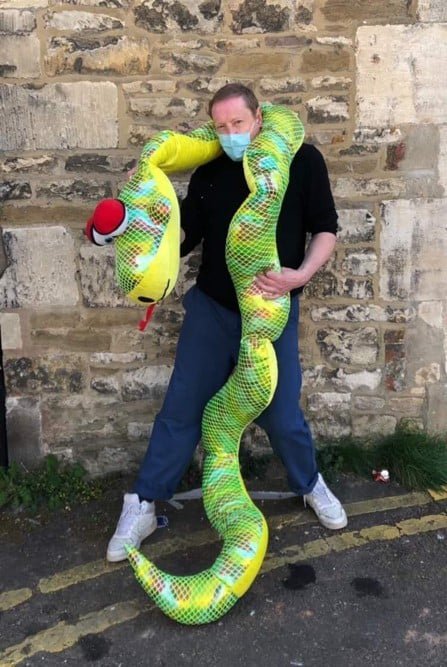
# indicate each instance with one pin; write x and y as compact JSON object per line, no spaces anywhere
{"x":273,"y":284}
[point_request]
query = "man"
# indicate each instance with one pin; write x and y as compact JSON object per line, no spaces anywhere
{"x":209,"y":340}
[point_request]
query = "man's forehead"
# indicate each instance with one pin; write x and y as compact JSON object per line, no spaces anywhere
{"x":232,"y":105}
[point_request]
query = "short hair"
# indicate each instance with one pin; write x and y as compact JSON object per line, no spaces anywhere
{"x":235,"y":90}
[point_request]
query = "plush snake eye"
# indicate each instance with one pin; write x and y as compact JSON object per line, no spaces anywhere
{"x":106,"y":239}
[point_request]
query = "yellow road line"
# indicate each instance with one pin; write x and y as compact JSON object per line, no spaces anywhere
{"x":62,"y":636}
{"x":10,"y":599}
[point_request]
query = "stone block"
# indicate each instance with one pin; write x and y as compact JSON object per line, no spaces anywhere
{"x":144,"y":383}
{"x":39,"y":164}
{"x":329,"y":414}
{"x":16,"y":21}
{"x":331,"y":82}
{"x":368,"y":403}
{"x":10,"y":331}
{"x":178,"y":62}
{"x":93,"y":162}
{"x":287,"y":41}
{"x":436,"y":413}
{"x":410,"y":406}
{"x":427,"y":374}
{"x":431,"y":313}
{"x":164,"y":86}
{"x":70,"y":190}
{"x":356,"y":288}
{"x":237,"y":44}
{"x":20,"y":56}
{"x":344,"y":381}
{"x":361,"y":313}
{"x":139,"y":430}
{"x":360,"y":262}
{"x":413,"y":250}
{"x":109,"y":4}
{"x":14,"y":190}
{"x":48,"y":374}
{"x":432,"y":10}
{"x":365,"y":10}
{"x":395,"y":360}
{"x":442,"y":160}
{"x":97,"y":278}
{"x":264,"y":64}
{"x":82,"y":21}
{"x":42,"y":270}
{"x":106,"y":385}
{"x":359,"y":188}
{"x":24,"y":431}
{"x":70,"y":340}
{"x":164,"y":107}
{"x":356,"y":225}
{"x":304,"y":12}
{"x":282,"y":85}
{"x":173,"y":16}
{"x":320,"y":59}
{"x":58,"y":118}
{"x":356,"y":346}
{"x":115,"y":359}
{"x":23,"y":4}
{"x":118,"y":55}
{"x":418,"y":83}
{"x":323,"y":284}
{"x":371,"y":426}
{"x":251,"y":16}
{"x":328,"y":109}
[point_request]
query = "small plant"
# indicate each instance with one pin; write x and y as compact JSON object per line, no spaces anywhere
{"x":53,"y":484}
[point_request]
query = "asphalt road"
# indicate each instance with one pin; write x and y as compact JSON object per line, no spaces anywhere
{"x":374,"y":593}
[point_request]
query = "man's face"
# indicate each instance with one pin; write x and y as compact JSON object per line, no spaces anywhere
{"x":232,"y":116}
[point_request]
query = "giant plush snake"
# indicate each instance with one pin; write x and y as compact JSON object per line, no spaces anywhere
{"x":147,"y":260}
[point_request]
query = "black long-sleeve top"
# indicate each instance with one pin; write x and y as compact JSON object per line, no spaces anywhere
{"x":217,"y":189}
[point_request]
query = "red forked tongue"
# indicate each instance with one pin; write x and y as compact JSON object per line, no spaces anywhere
{"x":145,"y":321}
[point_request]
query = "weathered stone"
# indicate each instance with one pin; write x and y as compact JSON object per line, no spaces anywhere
{"x":139,"y":430}
{"x":431,"y":313}
{"x":442,"y":159}
{"x":356,"y":225}
{"x":52,"y":374}
{"x":259,"y":15}
{"x":419,"y":85}
{"x":360,"y":262}
{"x":323,"y":284}
{"x":330,"y":109}
{"x":20,"y":57}
{"x":42,"y":269}
{"x":237,"y":44}
{"x":106,"y":385}
{"x":92,"y":162}
{"x":69,"y":190}
{"x":334,"y":41}
{"x":24,"y":431}
{"x":82,"y":21}
{"x":11,"y":333}
{"x":317,"y":377}
{"x":23,"y":4}
{"x":324,"y":60}
{"x":353,"y":381}
{"x":16,"y":21}
{"x":36,"y":164}
{"x":377,"y":136}
{"x":357,"y":346}
{"x":360,"y":313}
{"x":165,"y":86}
{"x":59,"y":318}
{"x":210,"y":84}
{"x":97,"y":278}
{"x":143,"y":383}
{"x":287,"y":41}
{"x":282,"y":85}
{"x":357,"y":289}
{"x":164,"y":107}
{"x":436,"y":412}
{"x":358,"y":188}
{"x":58,"y":118}
{"x":322,"y":137}
{"x":367,"y":426}
{"x":109,"y":4}
{"x":432,"y":10}
{"x":173,"y":15}
{"x":108,"y":55}
{"x":269,"y":64}
{"x":410,"y":406}
{"x":329,"y":414}
{"x":331,"y":82}
{"x":364,"y":10}
{"x":368,"y":403}
{"x":116,"y":358}
{"x":304,"y":12}
{"x":76,"y":340}
{"x":427,"y":374}
{"x":413,"y":250}
{"x":395,"y":360}
{"x":177,"y":62}
{"x":14,"y":190}
{"x":357,"y":151}
{"x":362,"y":166}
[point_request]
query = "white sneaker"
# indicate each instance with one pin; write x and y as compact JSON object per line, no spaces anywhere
{"x":137,"y":521}
{"x":326,"y":506}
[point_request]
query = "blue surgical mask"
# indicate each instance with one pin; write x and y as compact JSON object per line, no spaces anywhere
{"x":234,"y":145}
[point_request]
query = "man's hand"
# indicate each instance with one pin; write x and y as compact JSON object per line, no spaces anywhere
{"x":273,"y":284}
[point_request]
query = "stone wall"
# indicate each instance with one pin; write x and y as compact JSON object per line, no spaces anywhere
{"x":83,"y":83}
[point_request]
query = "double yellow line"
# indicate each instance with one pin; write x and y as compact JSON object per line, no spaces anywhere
{"x":64,"y":635}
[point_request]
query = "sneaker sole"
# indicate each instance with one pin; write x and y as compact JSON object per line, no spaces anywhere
{"x":118,"y":556}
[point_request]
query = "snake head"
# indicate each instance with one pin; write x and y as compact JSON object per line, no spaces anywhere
{"x":109,"y":220}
